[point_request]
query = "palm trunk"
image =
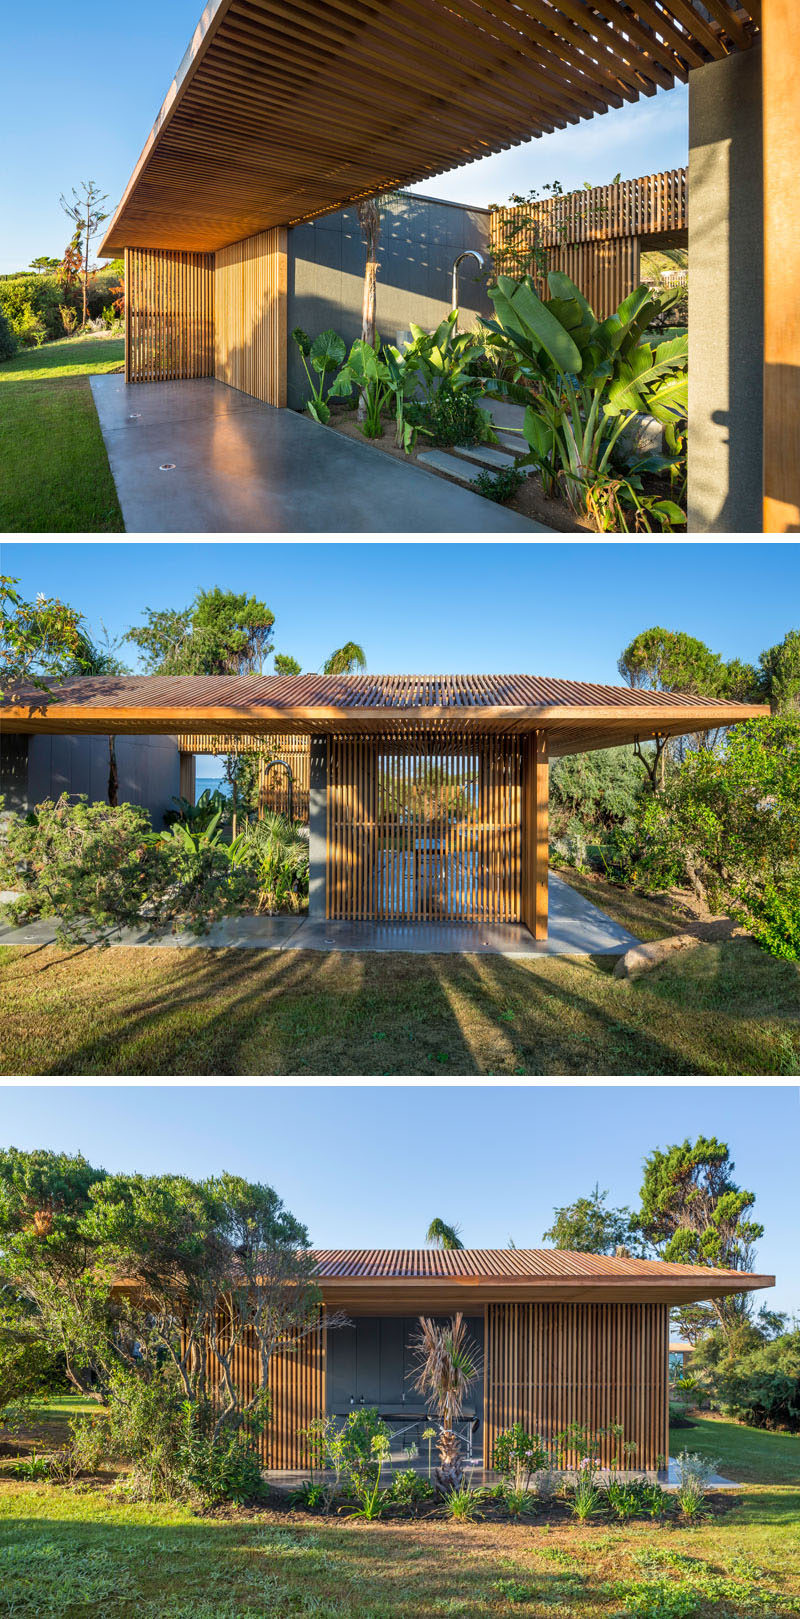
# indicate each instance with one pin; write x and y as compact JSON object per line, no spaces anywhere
{"x":113,"y":774}
{"x":369,"y":219}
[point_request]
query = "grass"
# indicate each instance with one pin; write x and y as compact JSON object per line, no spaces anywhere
{"x":68,"y":1554}
{"x":748,"y":1455}
{"x":57,"y":476}
{"x":724,"y":1008}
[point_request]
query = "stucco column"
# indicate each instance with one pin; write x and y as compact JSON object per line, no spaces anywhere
{"x":317,"y":828}
{"x":726,"y":296}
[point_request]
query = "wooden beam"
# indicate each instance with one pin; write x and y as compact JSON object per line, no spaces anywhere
{"x":535,"y":831}
{"x":781,"y":114}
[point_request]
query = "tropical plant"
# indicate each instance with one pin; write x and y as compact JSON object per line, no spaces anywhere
{"x":326,"y":354}
{"x":346,"y":660}
{"x":201,"y":813}
{"x":446,"y":1366}
{"x":308,"y":1496}
{"x":277,"y":850}
{"x":519,"y":1503}
{"x":367,"y":372}
{"x":588,"y":378}
{"x":445,"y":358}
{"x":441,"y":1235}
{"x":356,"y":1451}
{"x":615,"y":504}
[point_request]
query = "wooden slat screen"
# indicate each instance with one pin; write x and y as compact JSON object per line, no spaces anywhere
{"x":169,"y":314}
{"x":424,"y":830}
{"x":273,"y":789}
{"x":250,"y":281}
{"x":596,"y":237}
{"x":547,"y":1365}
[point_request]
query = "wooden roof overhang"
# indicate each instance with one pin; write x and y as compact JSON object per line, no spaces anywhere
{"x":577,"y":716}
{"x":406,"y":1281}
{"x":280,"y":112}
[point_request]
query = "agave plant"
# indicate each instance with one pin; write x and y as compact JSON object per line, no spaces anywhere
{"x":589,"y":378}
{"x":447,"y":1365}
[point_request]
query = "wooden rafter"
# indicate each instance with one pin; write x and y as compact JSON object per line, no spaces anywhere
{"x":282,"y":112}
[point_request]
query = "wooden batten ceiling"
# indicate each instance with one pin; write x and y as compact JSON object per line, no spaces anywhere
{"x":578,"y":716}
{"x":281,"y":112}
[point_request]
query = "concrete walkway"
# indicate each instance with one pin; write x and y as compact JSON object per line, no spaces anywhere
{"x":237,"y":466}
{"x":577,"y":928}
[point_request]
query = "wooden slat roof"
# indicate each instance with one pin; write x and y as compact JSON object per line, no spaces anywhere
{"x":361,"y":1274}
{"x":280,"y":111}
{"x":578,"y":715}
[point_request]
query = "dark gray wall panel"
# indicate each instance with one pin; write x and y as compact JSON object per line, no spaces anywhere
{"x":148,"y":769}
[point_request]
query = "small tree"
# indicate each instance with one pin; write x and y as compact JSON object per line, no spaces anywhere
{"x":87,"y":212}
{"x":285,"y":664}
{"x":447,"y":1366}
{"x":442,"y":1235}
{"x":38,"y":640}
{"x":346,"y":660}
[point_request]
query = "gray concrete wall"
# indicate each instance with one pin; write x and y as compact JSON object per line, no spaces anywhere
{"x":726,"y":296}
{"x":317,"y":827}
{"x":148,"y":769}
{"x":420,"y":238}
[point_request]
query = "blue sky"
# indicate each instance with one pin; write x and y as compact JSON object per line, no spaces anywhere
{"x":369,"y":1166}
{"x":82,"y":89}
{"x":561,"y":610}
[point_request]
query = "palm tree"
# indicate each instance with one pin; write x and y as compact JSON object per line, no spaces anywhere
{"x":447,"y":1365}
{"x":346,"y":660}
{"x":442,"y":1235}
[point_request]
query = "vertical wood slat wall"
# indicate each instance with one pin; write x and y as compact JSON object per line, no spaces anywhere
{"x":169,"y":314}
{"x":548,"y":1365}
{"x":535,"y":815}
{"x":395,"y":852}
{"x":250,"y":283}
{"x":297,"y":1386}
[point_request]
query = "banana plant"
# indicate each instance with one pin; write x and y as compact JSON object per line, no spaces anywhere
{"x":442,"y":358}
{"x":193,"y":841}
{"x":326,"y":353}
{"x":589,"y":378}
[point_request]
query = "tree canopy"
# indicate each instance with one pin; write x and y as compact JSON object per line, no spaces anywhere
{"x":222,"y":632}
{"x":589,"y":1226}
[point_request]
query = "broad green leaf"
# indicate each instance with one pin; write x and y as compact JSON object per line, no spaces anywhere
{"x":555,"y":341}
{"x":328,"y":352}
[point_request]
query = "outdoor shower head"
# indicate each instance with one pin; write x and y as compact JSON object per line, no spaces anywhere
{"x":468,"y":253}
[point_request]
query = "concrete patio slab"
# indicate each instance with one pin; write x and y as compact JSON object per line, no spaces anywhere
{"x":238,"y":466}
{"x":577,"y":928}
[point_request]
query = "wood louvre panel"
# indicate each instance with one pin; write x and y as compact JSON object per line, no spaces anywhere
{"x":596,"y":237}
{"x":297,"y":1387}
{"x":548,"y":1365}
{"x":250,"y":304}
{"x":169,"y":314}
{"x":424,"y":829}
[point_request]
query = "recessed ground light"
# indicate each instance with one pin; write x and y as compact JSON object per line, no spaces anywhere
{"x":167,"y":466}
{"x":134,"y":416}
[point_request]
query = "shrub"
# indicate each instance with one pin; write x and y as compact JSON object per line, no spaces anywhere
{"x":518,"y":1454}
{"x":452,"y":418}
{"x":170,"y":1445}
{"x":31,"y":303}
{"x":97,"y":869}
{"x":634,"y":1498}
{"x":410,"y":1489}
{"x":730,"y":823}
{"x":499,"y":486}
{"x":586,"y":1499}
{"x":760,"y":1384}
{"x":463,"y":1504}
{"x":8,"y":338}
{"x":308,"y":1497}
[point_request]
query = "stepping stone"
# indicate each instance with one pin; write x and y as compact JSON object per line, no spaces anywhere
{"x":440,"y":461}
{"x":514,"y":442}
{"x":486,"y":455}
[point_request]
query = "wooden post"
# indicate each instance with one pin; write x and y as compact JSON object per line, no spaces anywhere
{"x":535,"y":807}
{"x":781,"y":114}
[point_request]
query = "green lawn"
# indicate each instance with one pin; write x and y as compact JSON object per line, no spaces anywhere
{"x":57,"y":477}
{"x":718,"y":1009}
{"x":66,"y":1554}
{"x":749,"y":1455}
